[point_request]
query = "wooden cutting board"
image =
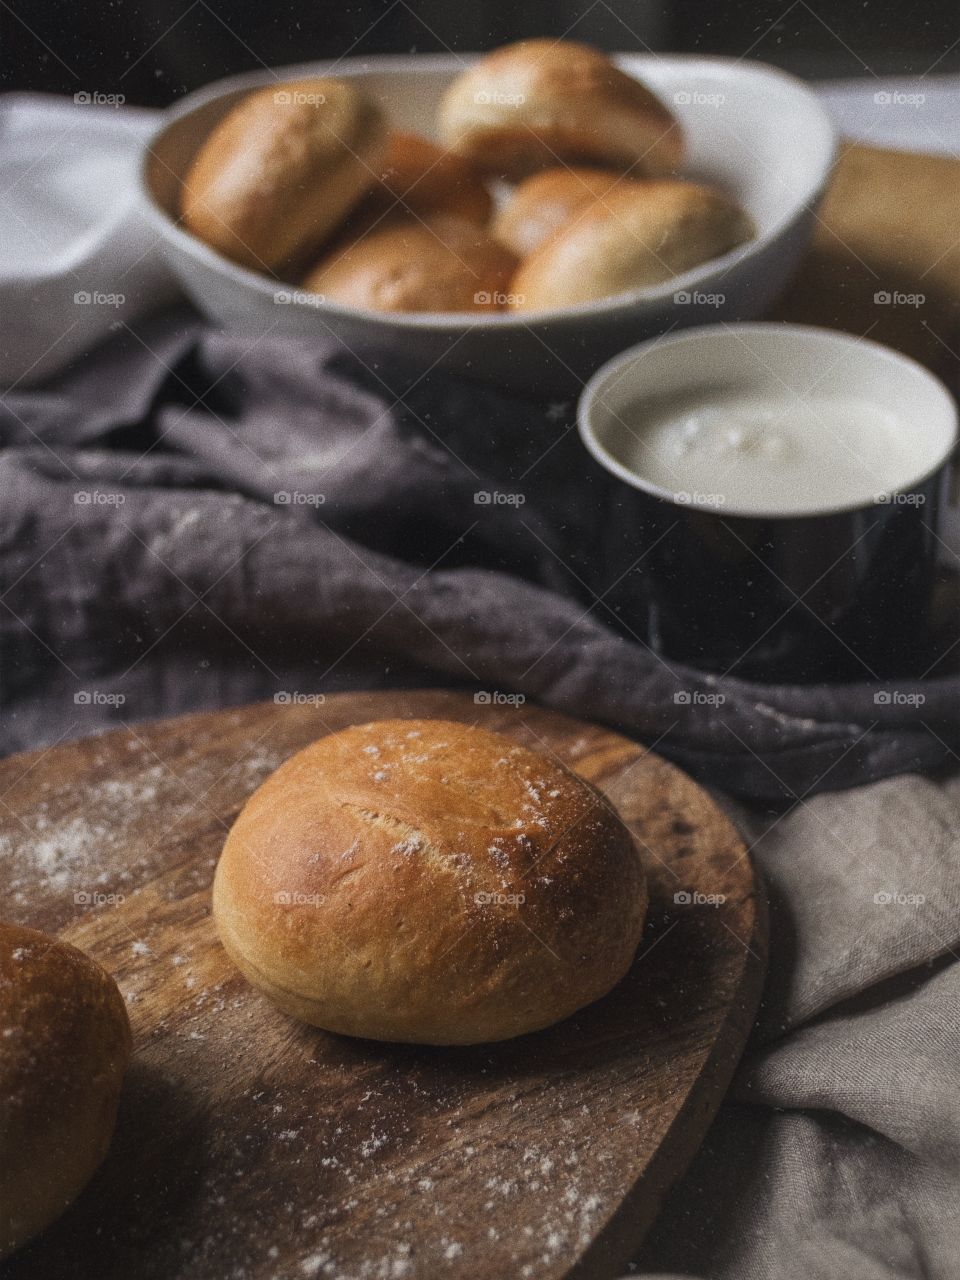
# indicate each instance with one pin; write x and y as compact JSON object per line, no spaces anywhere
{"x":251,"y":1146}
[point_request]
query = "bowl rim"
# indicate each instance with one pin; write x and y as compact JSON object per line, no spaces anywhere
{"x":651,"y":298}
{"x":869,"y":348}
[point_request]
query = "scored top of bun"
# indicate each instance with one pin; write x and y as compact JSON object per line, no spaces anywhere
{"x":640,"y":234}
{"x":279,"y":173}
{"x":425,"y":881}
{"x":540,"y":103}
{"x":66,"y":1045}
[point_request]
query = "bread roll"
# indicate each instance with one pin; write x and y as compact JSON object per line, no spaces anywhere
{"x":541,"y":103}
{"x":281,"y":171}
{"x":421,"y":179}
{"x":446,"y":265}
{"x":65,"y":1047}
{"x":632,"y":239}
{"x":547,"y":201}
{"x":424,"y":881}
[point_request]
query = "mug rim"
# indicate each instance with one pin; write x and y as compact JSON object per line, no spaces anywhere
{"x":600,"y":379}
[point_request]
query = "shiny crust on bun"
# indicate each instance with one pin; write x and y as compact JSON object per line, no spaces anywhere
{"x":547,"y":201}
{"x":429,"y":882}
{"x":542,"y":103}
{"x":421,"y":180}
{"x":634,"y":238}
{"x":64,"y":1049}
{"x":444,"y":265}
{"x":280,"y":172}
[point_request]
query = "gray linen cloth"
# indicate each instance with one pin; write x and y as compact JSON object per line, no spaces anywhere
{"x":144,"y":552}
{"x":837,"y":1153}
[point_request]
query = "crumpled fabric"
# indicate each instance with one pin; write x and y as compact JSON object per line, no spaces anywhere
{"x":189,"y":520}
{"x":192,"y":520}
{"x":837,"y":1151}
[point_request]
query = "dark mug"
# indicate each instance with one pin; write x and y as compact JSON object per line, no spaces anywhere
{"x":822,"y":582}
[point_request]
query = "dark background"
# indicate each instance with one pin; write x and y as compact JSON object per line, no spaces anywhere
{"x":153,"y":51}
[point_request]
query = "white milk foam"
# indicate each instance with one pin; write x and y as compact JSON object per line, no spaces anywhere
{"x":768,"y":455}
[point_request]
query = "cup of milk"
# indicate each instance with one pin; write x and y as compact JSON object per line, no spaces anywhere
{"x":776,"y":499}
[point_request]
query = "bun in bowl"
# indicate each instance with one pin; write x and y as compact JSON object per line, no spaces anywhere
{"x":66,"y":1045}
{"x":424,"y":881}
{"x":422,"y":180}
{"x":280,"y":172}
{"x":636,"y":236}
{"x":541,"y":103}
{"x":445,"y":264}
{"x":547,"y":201}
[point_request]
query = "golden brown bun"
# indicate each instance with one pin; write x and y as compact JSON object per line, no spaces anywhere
{"x":419,"y":178}
{"x":281,"y":171}
{"x":541,"y":103}
{"x":547,"y":201}
{"x":633,"y":238}
{"x":445,"y":265}
{"x":64,"y":1048}
{"x":424,"y":881}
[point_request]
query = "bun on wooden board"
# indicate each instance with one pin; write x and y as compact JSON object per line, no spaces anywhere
{"x":64,"y":1049}
{"x":281,"y":171}
{"x":542,"y":103}
{"x":429,"y":882}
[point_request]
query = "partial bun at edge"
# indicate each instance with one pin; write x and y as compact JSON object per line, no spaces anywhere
{"x":66,"y":1046}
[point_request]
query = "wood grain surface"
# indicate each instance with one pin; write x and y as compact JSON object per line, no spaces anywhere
{"x":888,"y":226}
{"x":251,"y":1146}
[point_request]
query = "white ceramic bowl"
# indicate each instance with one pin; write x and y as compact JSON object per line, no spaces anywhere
{"x":755,"y":131}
